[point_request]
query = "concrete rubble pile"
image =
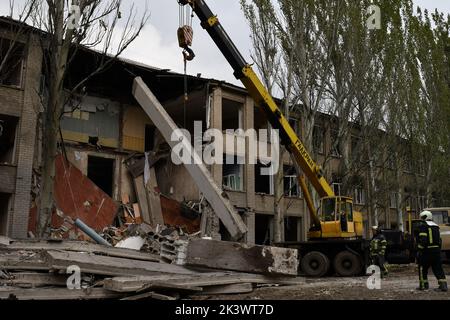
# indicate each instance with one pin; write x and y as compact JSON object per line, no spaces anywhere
{"x":138,"y":265}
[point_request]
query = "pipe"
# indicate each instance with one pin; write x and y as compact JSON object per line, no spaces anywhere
{"x":91,"y":233}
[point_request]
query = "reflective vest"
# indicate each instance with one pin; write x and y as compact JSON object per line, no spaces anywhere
{"x":429,"y":237}
{"x":378,"y":245}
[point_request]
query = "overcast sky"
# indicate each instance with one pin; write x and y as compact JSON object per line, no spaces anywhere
{"x":157,"y":46}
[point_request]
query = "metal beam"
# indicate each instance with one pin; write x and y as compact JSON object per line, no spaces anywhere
{"x":199,"y":173}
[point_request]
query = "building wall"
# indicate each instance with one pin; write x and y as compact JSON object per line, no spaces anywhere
{"x":23,"y":103}
{"x":92,"y":117}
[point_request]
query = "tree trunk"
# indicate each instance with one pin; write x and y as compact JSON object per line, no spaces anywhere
{"x":398,"y":200}
{"x":278,"y":226}
{"x":59,"y":50}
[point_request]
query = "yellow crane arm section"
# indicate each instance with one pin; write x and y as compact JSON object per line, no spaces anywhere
{"x":244,"y":72}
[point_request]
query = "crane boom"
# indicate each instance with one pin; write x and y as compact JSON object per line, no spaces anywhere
{"x":244,"y":72}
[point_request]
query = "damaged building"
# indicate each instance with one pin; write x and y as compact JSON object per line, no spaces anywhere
{"x":105,"y":135}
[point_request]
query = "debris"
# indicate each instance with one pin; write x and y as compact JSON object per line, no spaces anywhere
{"x":56,"y":294}
{"x":36,"y":270}
{"x":109,"y":266}
{"x":213,"y":194}
{"x":4,"y":240}
{"x":134,"y":243}
{"x":232,"y":256}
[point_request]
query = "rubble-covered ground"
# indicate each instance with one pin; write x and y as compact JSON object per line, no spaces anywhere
{"x":399,"y":285}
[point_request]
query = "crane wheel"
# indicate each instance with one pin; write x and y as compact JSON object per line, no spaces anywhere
{"x":315,"y":264}
{"x":347,"y":264}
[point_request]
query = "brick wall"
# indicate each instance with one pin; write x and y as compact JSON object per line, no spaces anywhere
{"x":24,"y":104}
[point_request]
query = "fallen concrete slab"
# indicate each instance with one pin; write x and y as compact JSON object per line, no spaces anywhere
{"x":236,"y":256}
{"x":198,"y":171}
{"x":89,"y":263}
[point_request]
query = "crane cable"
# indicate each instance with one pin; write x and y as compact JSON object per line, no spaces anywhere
{"x":185,"y":35}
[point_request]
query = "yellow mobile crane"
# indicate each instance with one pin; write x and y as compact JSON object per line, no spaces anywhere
{"x":335,"y":237}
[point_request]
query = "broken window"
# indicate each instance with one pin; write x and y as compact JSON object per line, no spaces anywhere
{"x":291,"y":188}
{"x":263,"y":229}
{"x":4,"y":208}
{"x":422,"y":202}
{"x":335,"y":147}
{"x":101,"y":172}
{"x":12,"y":55}
{"x":394,"y":199}
{"x":232,"y":115}
{"x":232,"y":173}
{"x":337,"y":186}
{"x":8,"y":127}
{"x":263,"y":183}
{"x":359,"y":195}
{"x":421,"y":167}
{"x":356,"y":146}
{"x":292,"y":227}
{"x":318,"y":139}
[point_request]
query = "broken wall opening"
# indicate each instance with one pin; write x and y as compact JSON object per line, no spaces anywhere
{"x":233,"y":172}
{"x":149,"y":141}
{"x":12,"y":55}
{"x":263,"y":229}
{"x":263,"y":183}
{"x":101,"y":172}
{"x":8,"y":129}
{"x":232,"y":115}
{"x":4,"y":208}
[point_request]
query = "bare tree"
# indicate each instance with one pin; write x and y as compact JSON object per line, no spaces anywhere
{"x":10,"y":53}
{"x":70,"y":25}
{"x":275,"y":67}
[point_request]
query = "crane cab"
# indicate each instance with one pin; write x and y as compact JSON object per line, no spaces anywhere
{"x":337,"y":219}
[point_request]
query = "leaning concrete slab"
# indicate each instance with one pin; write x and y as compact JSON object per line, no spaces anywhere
{"x":199,"y":173}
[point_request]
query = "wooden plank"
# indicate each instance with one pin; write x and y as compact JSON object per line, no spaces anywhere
{"x":125,"y":198}
{"x":141,"y":194}
{"x":167,"y":285}
{"x":16,"y":261}
{"x":34,"y":279}
{"x":238,"y":257}
{"x":198,"y":171}
{"x":132,"y":284}
{"x":112,"y":266}
{"x":57,"y":294}
{"x":152,"y":295}
{"x":80,"y":246}
{"x":122,"y":284}
{"x":227,"y":289}
{"x":154,"y":201}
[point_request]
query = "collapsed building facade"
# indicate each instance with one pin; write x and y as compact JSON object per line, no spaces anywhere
{"x":103,"y":128}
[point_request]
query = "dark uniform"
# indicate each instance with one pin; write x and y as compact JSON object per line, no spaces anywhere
{"x":378,"y":246}
{"x":429,"y":255}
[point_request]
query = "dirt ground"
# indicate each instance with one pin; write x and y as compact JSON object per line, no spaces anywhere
{"x":399,"y":285}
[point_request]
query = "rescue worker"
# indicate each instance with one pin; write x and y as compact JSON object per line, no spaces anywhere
{"x":429,"y":252}
{"x":378,"y":246}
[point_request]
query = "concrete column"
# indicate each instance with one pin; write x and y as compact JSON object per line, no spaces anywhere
{"x":26,"y":142}
{"x":249,"y":172}
{"x":216,"y":122}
